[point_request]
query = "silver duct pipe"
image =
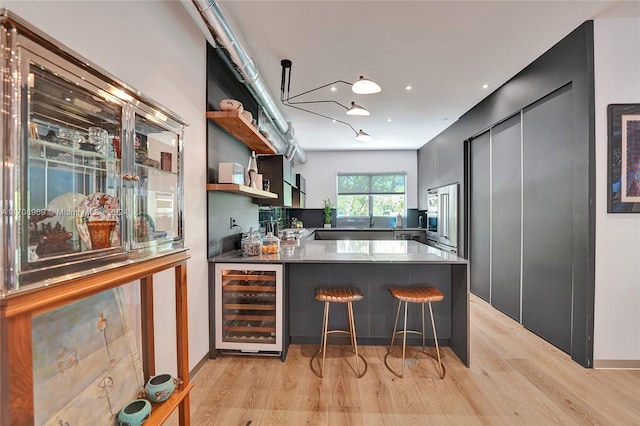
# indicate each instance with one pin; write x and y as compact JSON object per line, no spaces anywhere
{"x":247,"y":71}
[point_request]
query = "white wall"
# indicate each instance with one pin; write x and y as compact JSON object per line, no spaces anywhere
{"x":617,"y":292}
{"x":154,"y":47}
{"x":322,"y":166}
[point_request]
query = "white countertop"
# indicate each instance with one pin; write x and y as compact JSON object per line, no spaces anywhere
{"x":350,"y":251}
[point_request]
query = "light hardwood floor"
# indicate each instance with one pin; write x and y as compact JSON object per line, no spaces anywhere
{"x":515,"y":378}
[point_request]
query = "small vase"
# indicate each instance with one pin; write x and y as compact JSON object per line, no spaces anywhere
{"x":327,"y":225}
{"x":135,"y":413}
{"x":252,"y":170}
{"x":253,"y":179}
{"x":159,"y":388}
{"x":100,"y":232}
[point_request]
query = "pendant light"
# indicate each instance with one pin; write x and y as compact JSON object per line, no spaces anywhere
{"x":363,"y":136}
{"x":364,"y":86}
{"x":356,"y":109}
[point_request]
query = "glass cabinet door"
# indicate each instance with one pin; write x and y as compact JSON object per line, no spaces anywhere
{"x":156,"y":184}
{"x":71,"y":171}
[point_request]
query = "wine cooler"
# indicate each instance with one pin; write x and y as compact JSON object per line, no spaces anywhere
{"x":248,"y":308}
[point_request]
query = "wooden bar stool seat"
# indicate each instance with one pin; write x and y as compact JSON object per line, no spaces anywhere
{"x":421,"y":295}
{"x":346,"y":295}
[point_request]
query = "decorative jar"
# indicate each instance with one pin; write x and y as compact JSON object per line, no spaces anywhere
{"x":159,"y":388}
{"x":134,"y":413}
{"x":270,"y":244}
{"x":251,"y":244}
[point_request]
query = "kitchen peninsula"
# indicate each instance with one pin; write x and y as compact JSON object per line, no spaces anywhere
{"x":372,"y":265}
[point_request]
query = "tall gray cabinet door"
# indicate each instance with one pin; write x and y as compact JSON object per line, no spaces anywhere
{"x":548,"y":234}
{"x":506,"y":215}
{"x":479,"y":215}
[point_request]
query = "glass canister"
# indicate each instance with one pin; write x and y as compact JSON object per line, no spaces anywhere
{"x":251,"y":244}
{"x":270,"y":244}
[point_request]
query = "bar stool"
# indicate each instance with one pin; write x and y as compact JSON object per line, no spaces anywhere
{"x":339,"y":295}
{"x":420,"y":295}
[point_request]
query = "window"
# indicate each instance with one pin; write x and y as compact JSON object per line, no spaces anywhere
{"x":371,"y":194}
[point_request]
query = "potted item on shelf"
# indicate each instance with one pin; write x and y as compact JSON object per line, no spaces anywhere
{"x":97,"y":220}
{"x":327,"y":205}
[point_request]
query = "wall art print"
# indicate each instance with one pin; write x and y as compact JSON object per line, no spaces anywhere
{"x":86,"y":365}
{"x":624,"y":158}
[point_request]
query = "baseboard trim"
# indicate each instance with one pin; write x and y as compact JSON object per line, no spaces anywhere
{"x":199,"y":365}
{"x":620,"y":364}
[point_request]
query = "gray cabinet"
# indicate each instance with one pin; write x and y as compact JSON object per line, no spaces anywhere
{"x":522,"y":219}
{"x":506,"y":212}
{"x":549,"y":197}
{"x":479,"y":216}
{"x":277,"y":169}
{"x":299,"y":198}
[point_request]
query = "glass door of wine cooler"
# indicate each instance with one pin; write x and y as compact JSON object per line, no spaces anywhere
{"x":248,"y":307}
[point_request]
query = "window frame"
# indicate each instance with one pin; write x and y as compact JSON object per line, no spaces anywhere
{"x":370,"y":194}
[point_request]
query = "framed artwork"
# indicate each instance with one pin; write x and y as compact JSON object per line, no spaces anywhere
{"x":86,"y":366}
{"x":623,"y":183}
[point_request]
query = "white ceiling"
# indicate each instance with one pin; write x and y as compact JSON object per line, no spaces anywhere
{"x":446,"y":50}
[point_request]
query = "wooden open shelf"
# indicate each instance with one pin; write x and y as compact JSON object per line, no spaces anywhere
{"x":235,"y":188}
{"x":161,"y":411}
{"x":238,"y":127}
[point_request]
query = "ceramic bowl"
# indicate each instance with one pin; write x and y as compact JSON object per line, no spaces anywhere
{"x":134,"y":413}
{"x":159,"y":388}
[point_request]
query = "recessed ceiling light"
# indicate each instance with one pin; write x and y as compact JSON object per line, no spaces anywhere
{"x":334,"y":88}
{"x":409,"y":87}
{"x":388,"y":120}
{"x":485,"y":86}
{"x":67,"y":99}
{"x":333,"y":120}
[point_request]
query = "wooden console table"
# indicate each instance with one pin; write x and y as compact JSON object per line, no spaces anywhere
{"x":16,"y":346}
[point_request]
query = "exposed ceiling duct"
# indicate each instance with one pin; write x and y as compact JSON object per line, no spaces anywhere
{"x":247,"y":72}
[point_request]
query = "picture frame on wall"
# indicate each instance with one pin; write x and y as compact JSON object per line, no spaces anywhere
{"x":623,"y":175}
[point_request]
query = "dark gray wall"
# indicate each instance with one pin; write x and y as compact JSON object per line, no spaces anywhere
{"x":442,"y":160}
{"x":222,"y":147}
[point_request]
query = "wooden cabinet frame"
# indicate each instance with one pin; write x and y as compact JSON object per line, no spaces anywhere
{"x":16,"y":346}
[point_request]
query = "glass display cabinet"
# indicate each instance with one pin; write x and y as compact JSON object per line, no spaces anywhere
{"x":91,"y":198}
{"x":92,"y":169}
